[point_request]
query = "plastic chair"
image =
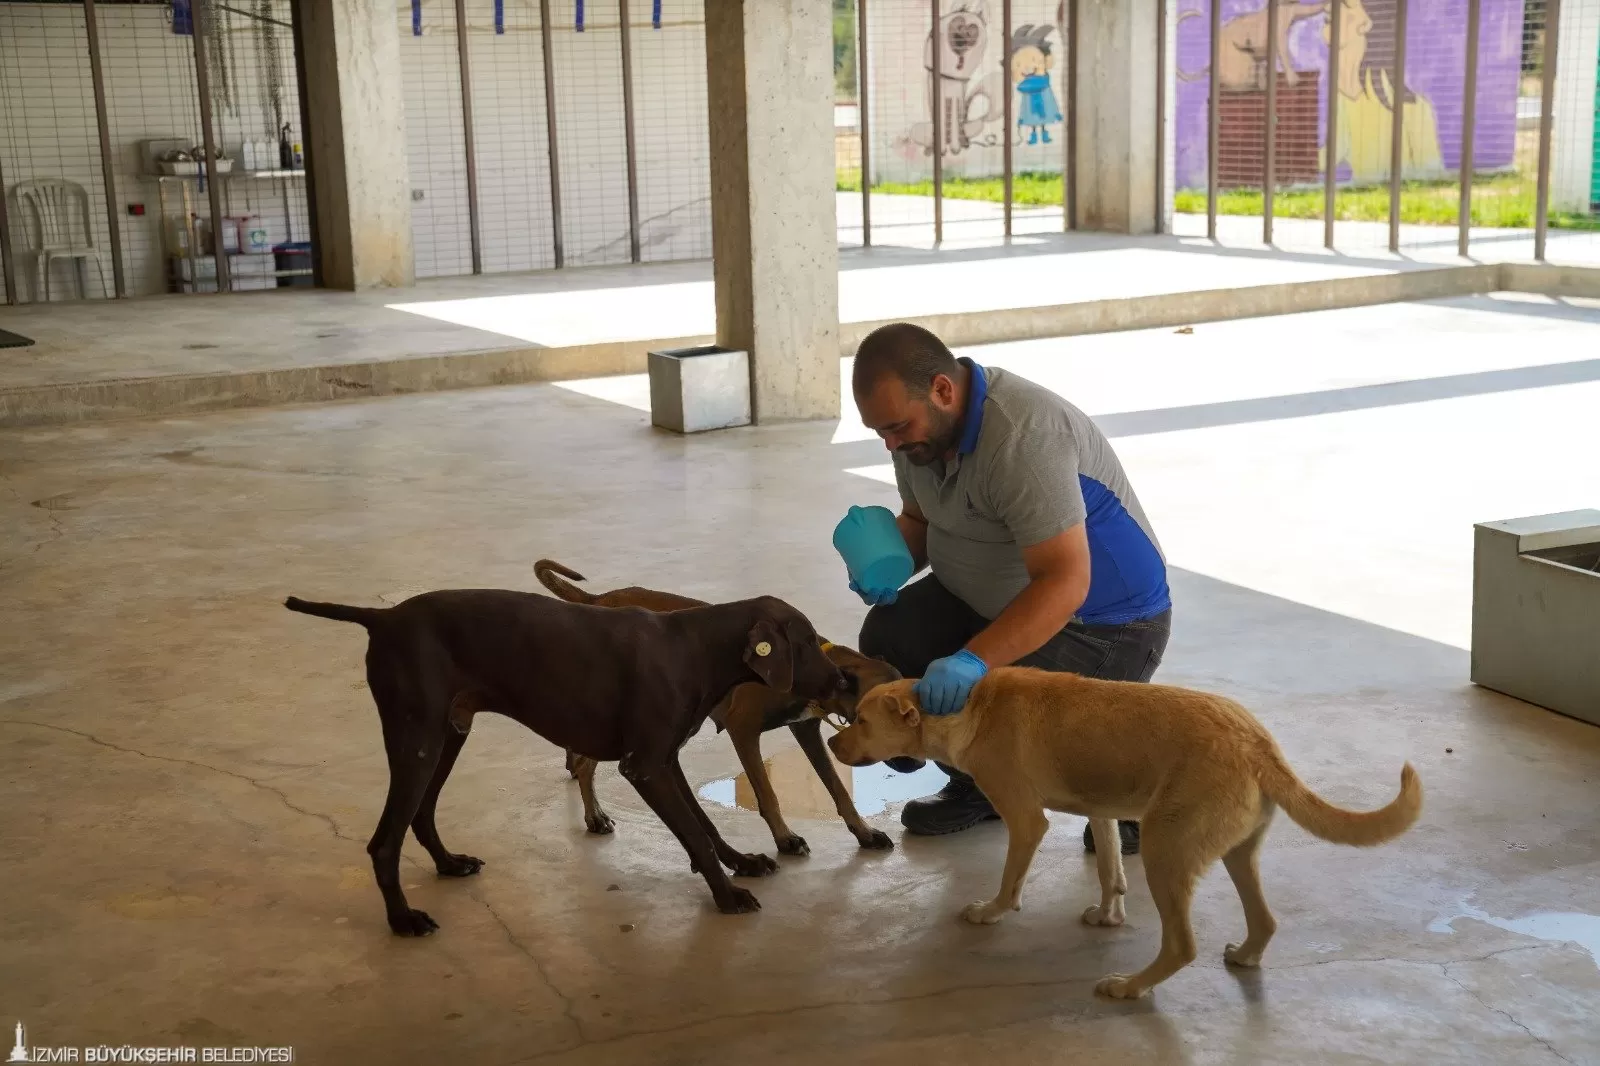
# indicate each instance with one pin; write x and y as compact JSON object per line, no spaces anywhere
{"x":56,"y":225}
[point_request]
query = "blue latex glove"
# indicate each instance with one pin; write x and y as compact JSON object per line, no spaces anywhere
{"x":876,"y":597}
{"x":948,"y":682}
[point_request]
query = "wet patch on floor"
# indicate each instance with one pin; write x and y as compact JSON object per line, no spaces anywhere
{"x":801,"y":793}
{"x":1558,"y":927}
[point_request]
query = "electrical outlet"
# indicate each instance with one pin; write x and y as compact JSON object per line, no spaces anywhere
{"x":417,"y":195}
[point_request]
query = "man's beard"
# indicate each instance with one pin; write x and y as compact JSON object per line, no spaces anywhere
{"x":944,"y":430}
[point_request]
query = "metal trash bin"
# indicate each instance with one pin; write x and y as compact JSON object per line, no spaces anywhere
{"x":1536,"y":610}
{"x":696,"y":389}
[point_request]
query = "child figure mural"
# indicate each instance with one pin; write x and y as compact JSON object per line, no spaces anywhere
{"x":1031,"y":60}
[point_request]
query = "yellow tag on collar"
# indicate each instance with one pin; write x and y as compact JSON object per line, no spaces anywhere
{"x":763,"y":649}
{"x":826,"y":646}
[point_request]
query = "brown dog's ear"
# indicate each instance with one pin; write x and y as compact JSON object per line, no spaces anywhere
{"x":770,"y":654}
{"x":906,"y":706}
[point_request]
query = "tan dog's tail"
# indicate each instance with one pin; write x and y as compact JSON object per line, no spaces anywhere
{"x":1317,"y":816}
{"x":546,"y":570}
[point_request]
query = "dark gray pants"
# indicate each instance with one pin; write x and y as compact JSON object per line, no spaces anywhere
{"x":928,"y":622}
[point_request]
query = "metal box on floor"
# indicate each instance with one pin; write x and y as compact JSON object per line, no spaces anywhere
{"x":696,"y":389}
{"x":1536,"y":610}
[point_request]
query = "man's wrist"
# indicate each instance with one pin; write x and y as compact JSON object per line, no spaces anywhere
{"x":976,"y":656}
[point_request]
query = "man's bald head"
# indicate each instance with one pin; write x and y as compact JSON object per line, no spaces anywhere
{"x":910,"y":354}
{"x":910,"y":390}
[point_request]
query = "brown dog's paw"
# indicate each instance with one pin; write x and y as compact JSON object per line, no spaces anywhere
{"x":876,"y":840}
{"x":738,"y":901}
{"x":753,"y":865}
{"x":459,"y":866}
{"x":1236,"y":955}
{"x":793,"y":844}
{"x":413,"y":923}
{"x":600,"y":824}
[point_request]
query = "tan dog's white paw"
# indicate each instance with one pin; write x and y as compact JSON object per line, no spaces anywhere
{"x":983,"y":912}
{"x":1235,"y":955}
{"x":1117,"y":986}
{"x":1098,"y":915}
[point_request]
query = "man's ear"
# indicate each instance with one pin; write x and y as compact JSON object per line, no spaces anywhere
{"x":906,"y":706}
{"x":770,"y":655}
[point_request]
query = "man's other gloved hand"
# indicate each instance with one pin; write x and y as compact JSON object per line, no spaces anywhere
{"x":875,"y":597}
{"x":948,"y":682}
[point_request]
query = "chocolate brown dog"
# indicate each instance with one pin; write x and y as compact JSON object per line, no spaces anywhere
{"x":630,"y":685}
{"x":750,"y":710}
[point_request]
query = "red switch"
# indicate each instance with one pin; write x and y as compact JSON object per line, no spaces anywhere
{"x":136,"y":209}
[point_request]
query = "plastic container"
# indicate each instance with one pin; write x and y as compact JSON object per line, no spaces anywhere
{"x":253,"y":235}
{"x":293,"y":255}
{"x":873,"y":550}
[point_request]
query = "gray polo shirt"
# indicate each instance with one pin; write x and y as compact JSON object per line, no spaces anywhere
{"x":1030,"y":466}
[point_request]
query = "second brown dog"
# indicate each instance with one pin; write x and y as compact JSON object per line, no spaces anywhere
{"x":748,"y":711}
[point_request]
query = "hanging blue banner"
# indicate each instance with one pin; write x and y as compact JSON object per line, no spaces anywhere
{"x":579,"y":25}
{"x":500,"y":16}
{"x":655,"y":14}
{"x":416,"y":18}
{"x":182,"y":18}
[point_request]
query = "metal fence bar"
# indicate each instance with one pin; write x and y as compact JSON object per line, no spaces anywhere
{"x":1006,"y":111}
{"x":1541,"y":210}
{"x":863,"y":122}
{"x":297,"y":35}
{"x":97,"y":76}
{"x":208,"y":169}
{"x":1213,"y":119}
{"x":1330,"y":193}
{"x":1069,"y":171}
{"x":469,"y":141}
{"x":935,"y":48}
{"x":550,"y":130}
{"x":1161,"y":116}
{"x":630,"y":141}
{"x":1469,"y":120}
{"x":1269,"y":125}
{"x":1397,"y":141}
{"x":6,"y":262}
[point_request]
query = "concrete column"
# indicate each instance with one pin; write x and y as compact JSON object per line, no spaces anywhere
{"x":775,"y":259}
{"x":357,"y":142}
{"x":1116,"y":134}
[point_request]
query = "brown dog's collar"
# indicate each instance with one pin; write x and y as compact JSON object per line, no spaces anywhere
{"x":826,"y":646}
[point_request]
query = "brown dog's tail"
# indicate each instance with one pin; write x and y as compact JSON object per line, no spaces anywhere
{"x":547,"y":569}
{"x":1317,"y":816}
{"x":362,"y":616}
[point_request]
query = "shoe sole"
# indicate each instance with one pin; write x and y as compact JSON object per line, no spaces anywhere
{"x":962,"y":827}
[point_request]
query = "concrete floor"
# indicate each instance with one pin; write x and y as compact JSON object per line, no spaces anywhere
{"x":99,"y":340}
{"x":189,"y":773}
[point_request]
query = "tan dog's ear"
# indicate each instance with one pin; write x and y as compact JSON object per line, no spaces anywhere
{"x":905,"y":706}
{"x":771,"y":655}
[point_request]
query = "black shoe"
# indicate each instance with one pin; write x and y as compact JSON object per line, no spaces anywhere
{"x":958,"y":805}
{"x":905,"y":764}
{"x":1128,"y":831}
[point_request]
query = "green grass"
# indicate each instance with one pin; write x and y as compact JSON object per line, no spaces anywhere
{"x":1503,"y":200}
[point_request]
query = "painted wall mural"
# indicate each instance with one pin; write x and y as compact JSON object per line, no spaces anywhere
{"x":972,"y":87}
{"x":972,"y":83}
{"x":1430,"y":95}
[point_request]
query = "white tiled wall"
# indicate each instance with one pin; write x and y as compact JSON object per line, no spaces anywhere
{"x":47,"y":108}
{"x":47,"y":115}
{"x":510,"y":135}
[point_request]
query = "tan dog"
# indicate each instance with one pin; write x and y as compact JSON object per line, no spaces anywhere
{"x":749,"y":711}
{"x":1198,"y":771}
